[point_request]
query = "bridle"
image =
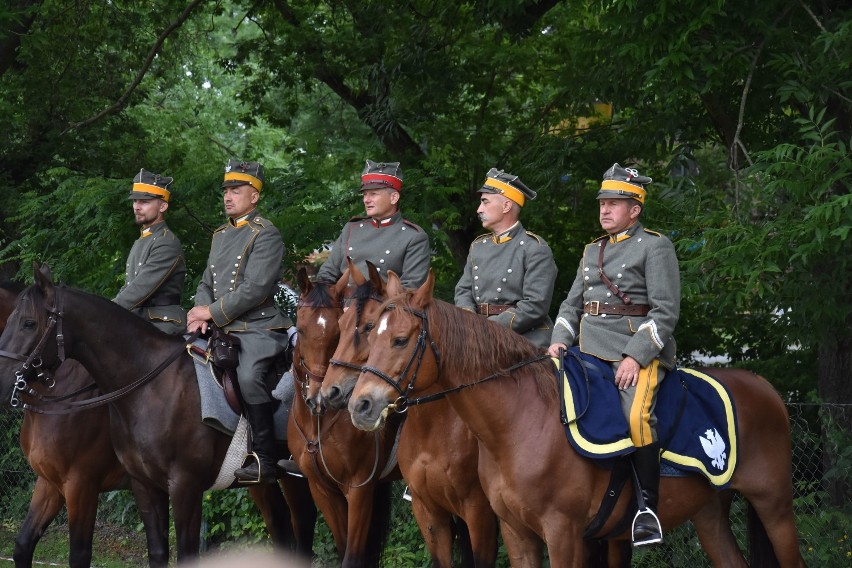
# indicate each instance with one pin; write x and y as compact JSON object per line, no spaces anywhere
{"x":347,"y":364}
{"x":34,"y":362}
{"x":403,"y":402}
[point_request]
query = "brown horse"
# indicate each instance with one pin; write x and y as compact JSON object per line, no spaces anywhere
{"x":442,"y":484}
{"x":537,"y":484}
{"x":342,"y":464}
{"x":164,"y":451}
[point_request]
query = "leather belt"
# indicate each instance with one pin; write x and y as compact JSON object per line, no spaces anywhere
{"x":163,"y":300}
{"x":492,"y":309}
{"x":596,"y":308}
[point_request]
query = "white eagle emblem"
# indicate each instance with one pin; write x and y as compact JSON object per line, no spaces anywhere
{"x":714,"y":447}
{"x":228,"y":168}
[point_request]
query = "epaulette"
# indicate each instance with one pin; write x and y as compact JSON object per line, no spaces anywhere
{"x":258,"y":220}
{"x":482,"y":236}
{"x":415,"y":226}
{"x":538,"y":239}
{"x":221,"y":227}
{"x":358,"y":218}
{"x":600,"y":238}
{"x":650,"y":232}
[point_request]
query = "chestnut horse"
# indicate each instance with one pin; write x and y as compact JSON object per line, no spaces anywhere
{"x":342,"y":464}
{"x":166,"y":452}
{"x":539,"y":486}
{"x":442,"y":484}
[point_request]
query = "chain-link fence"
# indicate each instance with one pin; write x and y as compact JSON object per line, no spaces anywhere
{"x":822,"y":478}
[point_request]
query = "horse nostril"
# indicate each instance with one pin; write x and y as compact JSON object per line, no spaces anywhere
{"x":310,"y":402}
{"x":363,"y":406}
{"x":333,"y":394}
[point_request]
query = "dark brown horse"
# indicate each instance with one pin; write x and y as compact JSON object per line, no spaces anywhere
{"x":442,"y":483}
{"x":344,"y":466}
{"x":165,"y":451}
{"x":538,"y":485}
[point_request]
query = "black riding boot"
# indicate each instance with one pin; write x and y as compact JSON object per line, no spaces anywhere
{"x":646,"y":524}
{"x":290,"y":466}
{"x":261,"y":467}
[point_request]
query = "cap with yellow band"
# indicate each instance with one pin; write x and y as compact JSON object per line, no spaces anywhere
{"x":239,"y":173}
{"x":623,"y":183}
{"x":148,"y":185}
{"x":507,"y":185}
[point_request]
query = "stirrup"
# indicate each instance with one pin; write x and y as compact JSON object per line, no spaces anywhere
{"x":246,"y":463}
{"x":654,"y":537}
{"x":284,"y":466}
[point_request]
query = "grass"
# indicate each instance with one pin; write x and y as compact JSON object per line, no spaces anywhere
{"x":115,"y":546}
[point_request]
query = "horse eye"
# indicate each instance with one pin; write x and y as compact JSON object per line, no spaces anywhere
{"x":29,"y":324}
{"x":400,"y":342}
{"x":369,"y":327}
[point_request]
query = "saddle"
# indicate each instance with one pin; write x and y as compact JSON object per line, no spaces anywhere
{"x":223,"y":351}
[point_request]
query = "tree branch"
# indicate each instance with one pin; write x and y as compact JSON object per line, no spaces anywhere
{"x":122,"y":101}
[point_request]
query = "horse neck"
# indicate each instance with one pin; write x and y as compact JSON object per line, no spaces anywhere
{"x":114,"y":345}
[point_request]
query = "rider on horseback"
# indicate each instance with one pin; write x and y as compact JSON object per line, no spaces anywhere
{"x":236,"y":294}
{"x":623,"y":308}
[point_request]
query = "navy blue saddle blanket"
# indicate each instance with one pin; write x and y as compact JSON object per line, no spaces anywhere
{"x":696,"y":422}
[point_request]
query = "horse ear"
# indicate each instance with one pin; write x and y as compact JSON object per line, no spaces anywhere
{"x":423,"y":296}
{"x":376,"y":280}
{"x":395,"y":287}
{"x":303,"y":280}
{"x":43,"y":280}
{"x":357,"y":276}
{"x":341,"y":284}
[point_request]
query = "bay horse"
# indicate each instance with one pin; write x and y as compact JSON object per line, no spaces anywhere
{"x":442,"y":484}
{"x":343,"y":465}
{"x":538,"y":485}
{"x":157,"y":433}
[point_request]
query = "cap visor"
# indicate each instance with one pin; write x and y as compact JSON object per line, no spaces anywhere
{"x":140,"y":195}
{"x":375,"y":186}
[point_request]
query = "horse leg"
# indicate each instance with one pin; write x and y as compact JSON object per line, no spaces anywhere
{"x":774,"y":510}
{"x":335,"y":512}
{"x":713,"y":526}
{"x":359,"y":522}
{"x":482,"y":526}
{"x":45,"y":504}
{"x":186,"y":506}
{"x":82,"y":504}
{"x":436,"y":529}
{"x":153,"y":506}
{"x":276,"y":514}
{"x":523,"y":546}
{"x":303,"y":512}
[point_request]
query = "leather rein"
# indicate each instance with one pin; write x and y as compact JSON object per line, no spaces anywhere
{"x":33,"y":363}
{"x":401,"y":404}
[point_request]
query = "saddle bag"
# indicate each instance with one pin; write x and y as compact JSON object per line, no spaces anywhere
{"x":225,"y":349}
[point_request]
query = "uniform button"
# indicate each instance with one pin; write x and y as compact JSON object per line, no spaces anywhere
{"x":378,"y":269}
{"x":476,"y":268}
{"x":387,"y":252}
{"x":496,"y":298}
{"x":608,"y":294}
{"x":618,"y":275}
{"x":211,"y":266}
{"x":589,"y":288}
{"x":586,"y":269}
{"x":640,"y":239}
{"x":504,"y":280}
{"x":603,"y":315}
{"x":403,"y":228}
{"x":587,"y":277}
{"x":232,"y":281}
{"x":140,"y":264}
{"x":623,"y":265}
{"x":381,"y":261}
{"x":476,"y":277}
{"x":484,"y":240}
{"x":361,"y":225}
{"x":476,"y":287}
{"x":237,"y":264}
{"x":499,"y":289}
{"x":263,"y":313}
{"x":239,"y":256}
{"x":234,"y":272}
{"x":477,"y":298}
{"x":509,"y":271}
{"x":350,"y":248}
{"x":522,"y":242}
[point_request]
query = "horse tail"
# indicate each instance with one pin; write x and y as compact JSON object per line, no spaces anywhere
{"x":760,"y":548}
{"x":463,"y":546}
{"x":380,"y":523}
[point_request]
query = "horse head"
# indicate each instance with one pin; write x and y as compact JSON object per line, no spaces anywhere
{"x":320,"y":306}
{"x":29,"y":346}
{"x":402,"y":355}
{"x":355,"y":326}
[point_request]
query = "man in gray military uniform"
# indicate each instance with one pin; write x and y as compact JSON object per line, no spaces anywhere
{"x":154,"y":276}
{"x":236,"y":294}
{"x":510,"y":273}
{"x":382,"y":236}
{"x":623,"y":308}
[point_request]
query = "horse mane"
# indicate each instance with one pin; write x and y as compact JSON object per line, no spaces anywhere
{"x":477,"y":347}
{"x":362,"y":293}
{"x":319,"y":295}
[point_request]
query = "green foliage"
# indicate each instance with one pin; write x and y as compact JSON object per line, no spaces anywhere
{"x":231,"y":516}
